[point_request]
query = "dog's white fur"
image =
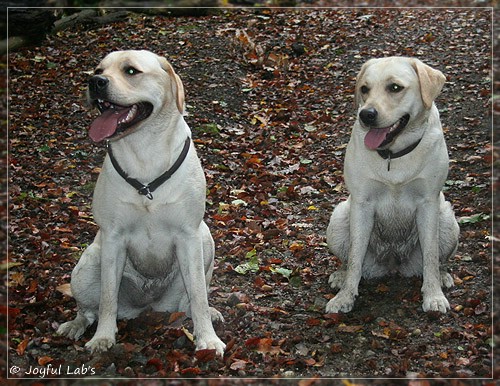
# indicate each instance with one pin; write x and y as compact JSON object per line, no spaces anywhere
{"x":156,"y":253}
{"x":395,"y":220}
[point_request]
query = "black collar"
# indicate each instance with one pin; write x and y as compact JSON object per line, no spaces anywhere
{"x":388,"y":155}
{"x":147,"y":190}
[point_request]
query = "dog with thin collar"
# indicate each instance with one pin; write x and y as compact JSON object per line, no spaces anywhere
{"x":153,"y":249}
{"x":396,"y":219}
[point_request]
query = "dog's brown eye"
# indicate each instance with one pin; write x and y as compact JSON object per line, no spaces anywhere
{"x":364,"y":90}
{"x":131,"y":71}
{"x":98,"y":72}
{"x":394,"y":87}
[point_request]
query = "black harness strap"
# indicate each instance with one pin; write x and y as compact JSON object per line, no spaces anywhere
{"x":147,"y":190}
{"x":388,"y":155}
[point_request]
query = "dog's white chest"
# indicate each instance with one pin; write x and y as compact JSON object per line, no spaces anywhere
{"x":394,"y":234}
{"x":151,"y":252}
{"x":147,"y":234}
{"x":395,"y":205}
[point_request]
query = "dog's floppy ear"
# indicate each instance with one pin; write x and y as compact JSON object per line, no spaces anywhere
{"x":361,"y":73}
{"x":177,"y":87}
{"x":431,"y":82}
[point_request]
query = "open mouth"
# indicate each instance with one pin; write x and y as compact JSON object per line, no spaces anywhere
{"x":116,"y":119}
{"x":378,"y":137}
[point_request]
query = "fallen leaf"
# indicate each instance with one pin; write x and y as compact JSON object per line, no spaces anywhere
{"x":176,"y":316}
{"x":65,"y":289}
{"x":187,"y":333}
{"x":205,"y":355}
{"x":21,"y":347}
{"x":42,"y":361}
{"x":349,"y":329}
{"x":156,"y":363}
{"x":191,"y":371}
{"x":238,"y":364}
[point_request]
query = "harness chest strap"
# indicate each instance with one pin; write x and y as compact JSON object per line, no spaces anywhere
{"x":147,"y":190}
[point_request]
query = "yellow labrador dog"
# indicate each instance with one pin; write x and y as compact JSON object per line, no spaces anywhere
{"x":396,"y":218}
{"x":153,"y":248}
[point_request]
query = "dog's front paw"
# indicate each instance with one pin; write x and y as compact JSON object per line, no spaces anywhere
{"x":436,"y":303}
{"x":100,"y":344}
{"x":215,"y":315}
{"x":213,"y":343}
{"x":72,"y":329}
{"x":337,"y":279}
{"x":342,"y":302}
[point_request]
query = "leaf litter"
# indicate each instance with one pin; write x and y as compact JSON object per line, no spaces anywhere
{"x":270,"y":100}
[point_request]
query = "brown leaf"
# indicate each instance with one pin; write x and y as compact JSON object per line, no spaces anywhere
{"x":129,"y":347}
{"x":263,"y":345}
{"x":174,"y":316}
{"x":333,"y":318}
{"x":191,"y":371}
{"x":205,"y":355}
{"x":252,"y":342}
{"x":349,"y":329}
{"x":155,"y":362}
{"x":259,"y":282}
{"x":238,"y":364}
{"x":33,"y":286}
{"x":21,"y":347}
{"x":65,"y":289}
{"x":16,"y":278}
{"x":42,"y":361}
{"x":313,"y":322}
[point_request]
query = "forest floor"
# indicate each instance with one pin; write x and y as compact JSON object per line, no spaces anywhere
{"x":271,"y":111}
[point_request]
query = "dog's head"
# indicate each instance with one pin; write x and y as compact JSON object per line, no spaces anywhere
{"x":391,"y":94}
{"x":129,"y":88}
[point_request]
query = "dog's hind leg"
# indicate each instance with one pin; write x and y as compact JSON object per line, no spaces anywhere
{"x":215,"y":315}
{"x":208,"y":258}
{"x":338,"y":240}
{"x":85,"y":287}
{"x":337,"y":237}
{"x":449,"y":233}
{"x":75,"y":328}
{"x":337,"y":279}
{"x":337,"y":233}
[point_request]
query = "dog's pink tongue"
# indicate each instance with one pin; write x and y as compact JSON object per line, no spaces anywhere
{"x":105,"y":125}
{"x":375,"y":137}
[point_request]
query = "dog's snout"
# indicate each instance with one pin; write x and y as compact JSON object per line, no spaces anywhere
{"x":368,"y":116}
{"x":98,"y":83}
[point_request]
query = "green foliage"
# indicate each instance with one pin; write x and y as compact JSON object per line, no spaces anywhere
{"x":473,"y":219}
{"x":208,"y":129}
{"x":252,"y":265}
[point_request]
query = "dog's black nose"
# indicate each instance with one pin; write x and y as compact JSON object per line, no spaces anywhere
{"x":98,"y":83}
{"x":368,"y":116}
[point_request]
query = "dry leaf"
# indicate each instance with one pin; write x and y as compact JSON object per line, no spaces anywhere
{"x":65,"y":289}
{"x":42,"y":361}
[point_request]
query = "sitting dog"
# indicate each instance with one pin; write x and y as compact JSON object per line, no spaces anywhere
{"x":153,"y":249}
{"x":396,"y":218}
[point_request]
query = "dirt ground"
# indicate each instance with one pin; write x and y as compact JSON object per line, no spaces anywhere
{"x":271,"y":111}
